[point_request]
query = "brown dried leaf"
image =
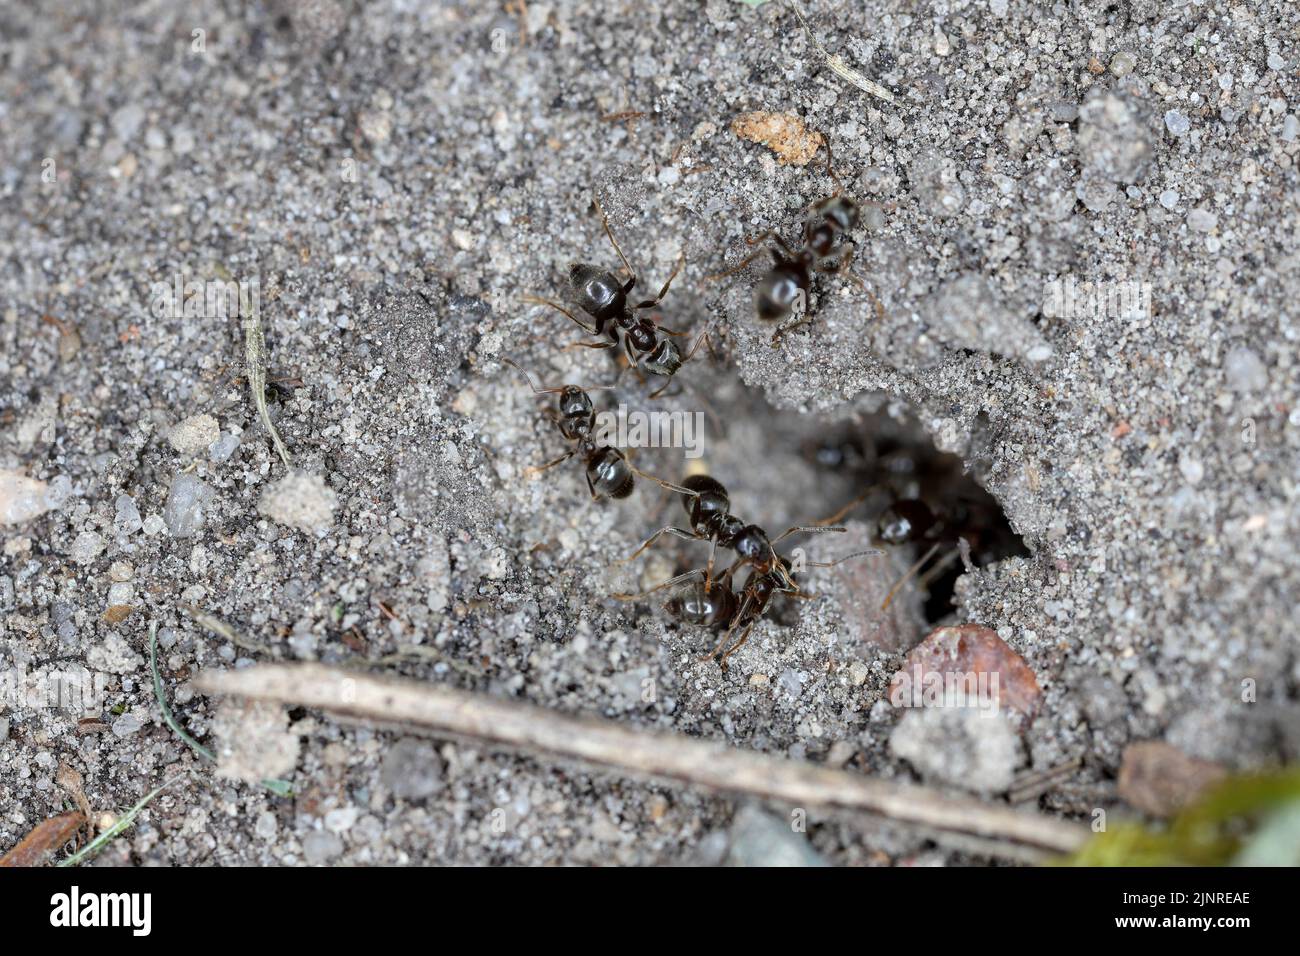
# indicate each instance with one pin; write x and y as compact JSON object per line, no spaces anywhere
{"x":783,"y":133}
{"x":1160,"y":779}
{"x":46,"y":838}
{"x":70,"y":780}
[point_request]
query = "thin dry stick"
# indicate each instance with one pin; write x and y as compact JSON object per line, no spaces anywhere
{"x":837,"y":64}
{"x":255,"y":354}
{"x":638,"y":753}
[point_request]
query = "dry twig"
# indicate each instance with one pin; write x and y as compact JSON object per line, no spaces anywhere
{"x":642,"y":754}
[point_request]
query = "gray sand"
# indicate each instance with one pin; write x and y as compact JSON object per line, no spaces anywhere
{"x":394,"y":181}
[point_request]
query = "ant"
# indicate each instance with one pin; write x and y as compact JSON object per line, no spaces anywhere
{"x":709,"y":508}
{"x":790,"y":279}
{"x":716,"y":604}
{"x":609,"y":473}
{"x":648,"y":347}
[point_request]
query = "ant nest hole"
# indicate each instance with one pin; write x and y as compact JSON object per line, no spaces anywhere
{"x":925,"y":508}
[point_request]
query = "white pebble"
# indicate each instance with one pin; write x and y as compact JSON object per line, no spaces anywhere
{"x":194,"y":434}
{"x":300,"y":501}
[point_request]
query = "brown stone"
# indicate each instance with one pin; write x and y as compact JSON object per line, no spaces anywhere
{"x":972,"y":649}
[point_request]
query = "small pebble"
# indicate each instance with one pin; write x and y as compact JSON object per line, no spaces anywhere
{"x":186,"y":502}
{"x":1245,"y":371}
{"x":88,"y":546}
{"x":1123,"y":63}
{"x":127,"y":520}
{"x":412,"y":769}
{"x":126,"y":725}
{"x":194,"y":435}
{"x":300,"y":501}
{"x":321,"y":846}
{"x":1177,"y":123}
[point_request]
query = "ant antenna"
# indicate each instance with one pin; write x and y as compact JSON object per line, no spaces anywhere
{"x":830,"y":165}
{"x":535,"y":300}
{"x":847,"y":557}
{"x":532,"y":383}
{"x":893,"y":592}
{"x":614,"y":242}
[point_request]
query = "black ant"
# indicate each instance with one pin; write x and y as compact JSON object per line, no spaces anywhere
{"x":709,"y":507}
{"x":790,"y":279}
{"x":716,"y":604}
{"x":648,"y":347}
{"x":609,"y":473}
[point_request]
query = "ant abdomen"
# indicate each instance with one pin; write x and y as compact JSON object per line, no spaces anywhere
{"x":703,"y":607}
{"x":598,"y":292}
{"x":608,"y":473}
{"x":779,"y":290}
{"x":711,"y":499}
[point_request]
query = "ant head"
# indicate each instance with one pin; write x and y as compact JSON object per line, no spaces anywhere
{"x":840,"y":213}
{"x":665,"y":360}
{"x":598,"y":292}
{"x":752,"y":543}
{"x":903,"y":521}
{"x":575,"y":404}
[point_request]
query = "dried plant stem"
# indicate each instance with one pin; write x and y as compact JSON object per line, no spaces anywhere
{"x":644,"y":754}
{"x":255,"y":356}
{"x":837,"y":64}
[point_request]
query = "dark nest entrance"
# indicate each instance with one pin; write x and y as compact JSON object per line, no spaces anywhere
{"x":914,"y":490}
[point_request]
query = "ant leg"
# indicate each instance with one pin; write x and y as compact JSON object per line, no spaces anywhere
{"x":663,"y":484}
{"x":937,"y":568}
{"x":835,"y":518}
{"x":619,"y":596}
{"x":811,"y":529}
{"x":842,"y":268}
{"x":650,"y":303}
{"x":589,"y":345}
{"x":722,"y":661}
{"x":612,"y":241}
{"x":535,"y":300}
{"x":735,"y":623}
{"x":534,"y":470}
{"x":677,"y":532}
{"x":659,"y":391}
{"x":830,"y":165}
{"x":702,"y":338}
{"x":708,"y":568}
{"x":910,"y":571}
{"x":780,"y":333}
{"x":736,"y":268}
{"x":775,"y":238}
